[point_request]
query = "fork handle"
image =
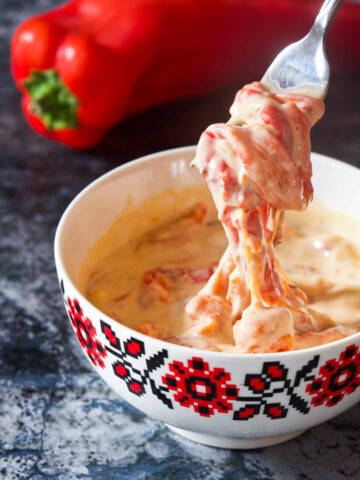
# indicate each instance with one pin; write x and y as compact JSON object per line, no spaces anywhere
{"x":326,"y":16}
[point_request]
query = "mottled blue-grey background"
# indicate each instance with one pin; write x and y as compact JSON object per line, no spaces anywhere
{"x":58,"y":420}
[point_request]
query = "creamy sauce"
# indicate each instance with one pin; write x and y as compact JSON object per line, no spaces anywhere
{"x":257,"y":166}
{"x":172,"y":282}
{"x":156,"y":256}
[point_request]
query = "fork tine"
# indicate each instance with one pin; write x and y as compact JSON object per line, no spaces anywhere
{"x":302,"y":67}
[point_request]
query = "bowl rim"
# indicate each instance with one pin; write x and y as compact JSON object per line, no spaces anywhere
{"x":161,"y":343}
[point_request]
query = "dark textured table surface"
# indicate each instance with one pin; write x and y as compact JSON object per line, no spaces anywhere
{"x":58,"y":420}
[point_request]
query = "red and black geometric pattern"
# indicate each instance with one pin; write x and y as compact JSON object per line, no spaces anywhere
{"x":136,"y":377}
{"x":337,"y":378}
{"x":273,"y":379}
{"x":209,"y":390}
{"x":198,"y":386}
{"x":86,"y":333}
{"x":264,"y":386}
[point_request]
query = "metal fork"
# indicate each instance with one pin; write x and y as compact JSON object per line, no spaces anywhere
{"x":302,"y":67}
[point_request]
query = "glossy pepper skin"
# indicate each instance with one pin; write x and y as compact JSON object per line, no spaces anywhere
{"x":86,"y":65}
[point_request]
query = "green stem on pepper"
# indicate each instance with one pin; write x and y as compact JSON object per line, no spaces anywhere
{"x":51,"y":100}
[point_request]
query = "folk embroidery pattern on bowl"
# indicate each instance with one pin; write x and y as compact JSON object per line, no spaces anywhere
{"x":207,"y":389}
{"x":86,"y":333}
{"x":201,"y":387}
{"x":263,"y":388}
{"x":132,"y":366}
{"x":337,"y":378}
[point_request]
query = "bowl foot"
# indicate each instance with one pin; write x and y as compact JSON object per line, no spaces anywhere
{"x":234,"y":443}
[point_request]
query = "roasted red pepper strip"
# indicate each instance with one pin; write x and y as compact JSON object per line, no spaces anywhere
{"x":84,"y":66}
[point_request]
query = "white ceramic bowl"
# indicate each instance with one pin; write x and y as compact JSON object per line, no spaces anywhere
{"x":225,"y":400}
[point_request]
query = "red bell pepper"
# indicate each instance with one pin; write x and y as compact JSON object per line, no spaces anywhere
{"x":86,"y":65}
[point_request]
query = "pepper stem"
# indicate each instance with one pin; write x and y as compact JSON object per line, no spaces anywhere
{"x":51,"y":100}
